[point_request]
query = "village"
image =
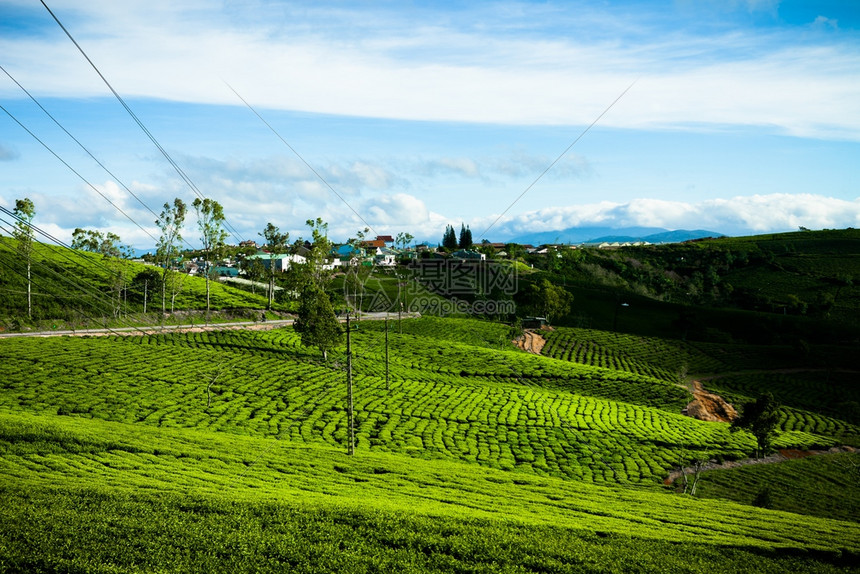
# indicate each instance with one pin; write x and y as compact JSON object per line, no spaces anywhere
{"x":384,"y":251}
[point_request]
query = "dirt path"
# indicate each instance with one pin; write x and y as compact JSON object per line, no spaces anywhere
{"x":781,"y":456}
{"x":530,"y":341}
{"x":191,"y":328}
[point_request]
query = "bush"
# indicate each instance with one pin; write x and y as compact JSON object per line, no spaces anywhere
{"x":763,"y":498}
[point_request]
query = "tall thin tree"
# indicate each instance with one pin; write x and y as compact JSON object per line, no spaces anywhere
{"x":210,"y":222}
{"x":276,"y":242}
{"x":24,"y":212}
{"x":170,"y":222}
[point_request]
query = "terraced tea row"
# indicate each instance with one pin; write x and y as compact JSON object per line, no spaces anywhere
{"x":659,"y":358}
{"x":833,"y":392}
{"x":226,"y":382}
{"x":672,"y":360}
{"x":822,"y":485}
{"x":42,"y":451}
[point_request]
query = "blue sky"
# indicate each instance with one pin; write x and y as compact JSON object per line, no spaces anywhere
{"x":743,"y":116}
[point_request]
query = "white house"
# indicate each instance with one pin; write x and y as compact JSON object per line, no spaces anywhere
{"x":281,"y":261}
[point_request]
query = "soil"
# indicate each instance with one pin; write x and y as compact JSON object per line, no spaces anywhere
{"x":707,"y":406}
{"x":530,"y":341}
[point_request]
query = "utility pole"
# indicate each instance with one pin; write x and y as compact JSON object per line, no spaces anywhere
{"x":350,"y":447}
{"x":387,"y":385}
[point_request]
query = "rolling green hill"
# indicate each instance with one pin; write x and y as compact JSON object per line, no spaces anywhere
{"x":768,"y":289}
{"x":77,"y":289}
{"x":228,"y":449}
{"x":225,"y":450}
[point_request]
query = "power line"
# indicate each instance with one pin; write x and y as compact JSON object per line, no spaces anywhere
{"x":140,"y":201}
{"x":136,"y":119}
{"x":561,"y":155}
{"x":298,"y":155}
{"x":94,"y":188}
{"x":97,"y":296}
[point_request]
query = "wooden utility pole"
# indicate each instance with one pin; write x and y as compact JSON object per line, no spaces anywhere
{"x":387,"y":385}
{"x":350,"y":447}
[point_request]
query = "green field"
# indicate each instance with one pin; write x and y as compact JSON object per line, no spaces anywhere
{"x":76,"y":289}
{"x":823,"y":485}
{"x":473,"y":456}
{"x":226,"y":450}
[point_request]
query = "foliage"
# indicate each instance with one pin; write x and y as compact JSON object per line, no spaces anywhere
{"x":316,"y":321}
{"x":210,"y":222}
{"x":449,"y":239}
{"x":760,"y":418}
{"x":816,"y":485}
{"x":447,"y":400}
{"x":276,"y":243}
{"x":544,"y":299}
{"x":170,"y":222}
{"x":763,"y":498}
{"x":108,"y":244}
{"x":403,"y":239}
{"x":505,"y":460}
{"x":465,"y":241}
{"x":133,"y":498}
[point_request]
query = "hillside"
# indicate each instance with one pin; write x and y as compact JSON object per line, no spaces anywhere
{"x":771,"y":289}
{"x":224,"y":450}
{"x":76,"y":289}
{"x":473,"y":456}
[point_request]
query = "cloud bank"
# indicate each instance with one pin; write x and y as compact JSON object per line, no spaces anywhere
{"x":502,"y":63}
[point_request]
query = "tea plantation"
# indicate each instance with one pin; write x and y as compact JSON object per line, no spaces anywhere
{"x":225,"y":451}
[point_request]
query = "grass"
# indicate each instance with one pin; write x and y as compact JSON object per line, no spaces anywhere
{"x":224,"y":450}
{"x":73,"y":289}
{"x":823,"y":485}
{"x":216,"y":501}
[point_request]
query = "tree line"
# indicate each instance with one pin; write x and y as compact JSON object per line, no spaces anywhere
{"x":309,"y":281}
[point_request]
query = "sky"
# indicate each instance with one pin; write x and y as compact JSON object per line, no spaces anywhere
{"x":735,"y":116}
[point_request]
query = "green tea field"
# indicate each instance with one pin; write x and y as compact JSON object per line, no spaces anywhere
{"x":226,"y":451}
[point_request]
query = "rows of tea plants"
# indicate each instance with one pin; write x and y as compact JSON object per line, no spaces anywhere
{"x":90,"y":495}
{"x":224,"y":382}
{"x":826,"y":403}
{"x":416,"y":357}
{"x":832,"y":392}
{"x":661,"y":358}
{"x":462,"y":330}
{"x":671,"y":359}
{"x":821,"y":485}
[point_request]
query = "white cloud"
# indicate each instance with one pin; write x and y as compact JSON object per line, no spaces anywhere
{"x":823,"y":22}
{"x":734,"y":216}
{"x":380,"y":64}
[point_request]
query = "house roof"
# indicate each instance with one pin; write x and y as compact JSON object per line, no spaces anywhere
{"x":467,"y":254}
{"x":345,"y":250}
{"x":267,"y":256}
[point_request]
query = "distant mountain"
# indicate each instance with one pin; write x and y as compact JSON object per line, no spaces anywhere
{"x":613,"y":234}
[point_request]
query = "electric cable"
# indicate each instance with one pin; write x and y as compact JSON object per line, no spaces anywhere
{"x":137,"y":120}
